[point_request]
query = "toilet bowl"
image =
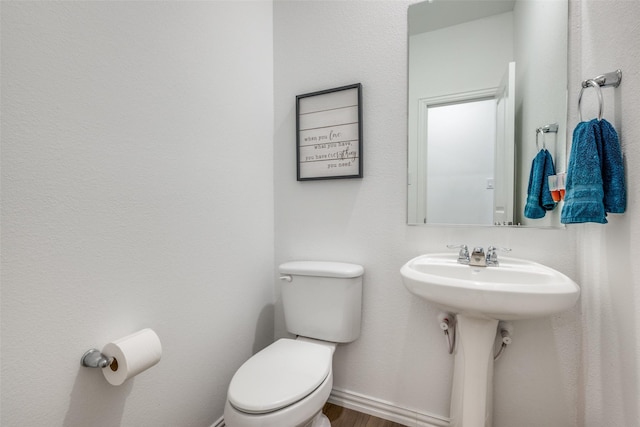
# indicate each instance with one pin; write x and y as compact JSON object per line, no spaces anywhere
{"x":287,"y":383}
{"x":284,"y":385}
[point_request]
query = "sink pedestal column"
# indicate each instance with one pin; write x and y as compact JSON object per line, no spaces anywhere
{"x":472,"y":391}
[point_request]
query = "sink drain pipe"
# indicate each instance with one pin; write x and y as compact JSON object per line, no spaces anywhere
{"x":505,"y":329}
{"x":447,"y":322}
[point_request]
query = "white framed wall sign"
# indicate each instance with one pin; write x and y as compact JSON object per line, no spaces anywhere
{"x":329,"y":133}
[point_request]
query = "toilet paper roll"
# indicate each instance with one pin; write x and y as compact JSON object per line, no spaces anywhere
{"x":131,"y":355}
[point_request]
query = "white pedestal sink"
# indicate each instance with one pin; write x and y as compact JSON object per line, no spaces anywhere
{"x":480,"y":297}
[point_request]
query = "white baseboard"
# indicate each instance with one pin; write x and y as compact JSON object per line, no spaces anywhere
{"x":385,"y":410}
{"x":377,"y":408}
{"x":218,"y":423}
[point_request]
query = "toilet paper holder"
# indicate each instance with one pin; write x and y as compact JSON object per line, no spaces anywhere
{"x":95,"y":359}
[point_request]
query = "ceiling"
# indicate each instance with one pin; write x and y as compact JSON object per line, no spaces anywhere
{"x":432,"y":15}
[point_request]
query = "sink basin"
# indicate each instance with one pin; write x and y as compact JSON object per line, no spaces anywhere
{"x":516,"y":289}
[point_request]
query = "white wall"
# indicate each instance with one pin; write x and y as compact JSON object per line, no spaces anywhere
{"x":401,"y":356}
{"x":137,"y":167}
{"x":605,"y":37}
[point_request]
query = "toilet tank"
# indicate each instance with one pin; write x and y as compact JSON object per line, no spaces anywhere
{"x":322,"y":300}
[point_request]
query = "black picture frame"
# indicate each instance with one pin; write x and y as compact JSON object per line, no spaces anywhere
{"x":329,"y":134}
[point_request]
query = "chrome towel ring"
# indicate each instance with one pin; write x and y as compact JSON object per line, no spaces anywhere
{"x":538,"y":132}
{"x":594,"y":84}
{"x":609,"y":79}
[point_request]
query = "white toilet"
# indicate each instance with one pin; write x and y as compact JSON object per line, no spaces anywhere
{"x":288,"y":383}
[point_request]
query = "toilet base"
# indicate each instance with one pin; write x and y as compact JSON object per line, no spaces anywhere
{"x":320,"y":420}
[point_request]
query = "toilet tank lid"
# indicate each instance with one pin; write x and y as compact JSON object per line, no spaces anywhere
{"x":322,"y":269}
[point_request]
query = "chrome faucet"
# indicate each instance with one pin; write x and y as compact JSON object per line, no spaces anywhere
{"x":478,"y":258}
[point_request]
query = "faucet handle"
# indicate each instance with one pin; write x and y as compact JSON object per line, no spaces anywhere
{"x":463,"y":255}
{"x":492,"y":256}
{"x":497,"y":248}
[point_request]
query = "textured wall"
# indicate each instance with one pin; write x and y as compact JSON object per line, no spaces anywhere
{"x":607,"y":37}
{"x":127,"y":128}
{"x":400,"y":357}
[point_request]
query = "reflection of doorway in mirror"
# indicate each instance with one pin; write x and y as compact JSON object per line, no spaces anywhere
{"x":460,"y":162}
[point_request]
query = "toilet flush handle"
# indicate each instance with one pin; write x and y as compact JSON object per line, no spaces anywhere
{"x":286,"y":278}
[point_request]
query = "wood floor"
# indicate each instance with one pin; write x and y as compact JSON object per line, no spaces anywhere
{"x":342,"y":417}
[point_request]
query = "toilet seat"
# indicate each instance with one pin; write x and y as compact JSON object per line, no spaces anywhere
{"x":279,"y":375}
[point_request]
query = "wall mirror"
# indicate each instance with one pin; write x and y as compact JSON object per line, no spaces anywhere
{"x":487,"y":85}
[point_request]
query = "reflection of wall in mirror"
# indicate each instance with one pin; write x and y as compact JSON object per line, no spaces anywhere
{"x":457,"y":59}
{"x":541,"y":91}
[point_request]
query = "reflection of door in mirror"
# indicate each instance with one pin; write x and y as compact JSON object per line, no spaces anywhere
{"x":467,"y":156}
{"x":463,"y":193}
{"x":505,"y":148}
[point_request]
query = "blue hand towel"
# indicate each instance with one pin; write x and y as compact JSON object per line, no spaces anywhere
{"x":584,"y":190}
{"x":539,"y":199}
{"x":613,"y":185}
{"x":595,"y":176}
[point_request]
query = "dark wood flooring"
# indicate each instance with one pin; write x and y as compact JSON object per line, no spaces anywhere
{"x":343,"y":417}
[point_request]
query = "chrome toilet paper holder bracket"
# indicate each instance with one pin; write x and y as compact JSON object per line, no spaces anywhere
{"x":95,"y":359}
